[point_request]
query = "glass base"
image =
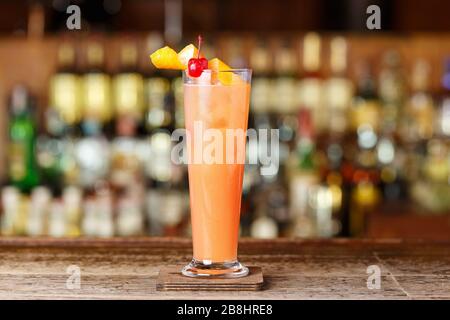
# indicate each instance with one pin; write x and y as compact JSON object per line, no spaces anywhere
{"x":205,"y":268}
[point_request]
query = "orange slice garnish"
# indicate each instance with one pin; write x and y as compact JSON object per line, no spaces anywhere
{"x":188,"y":52}
{"x":226,"y":78}
{"x":166,"y":58}
{"x":218,"y":65}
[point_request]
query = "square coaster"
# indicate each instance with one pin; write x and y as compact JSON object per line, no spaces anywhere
{"x":170,"y":278}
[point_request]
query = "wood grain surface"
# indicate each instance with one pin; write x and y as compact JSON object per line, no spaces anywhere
{"x":170,"y":278}
{"x":293,"y":269}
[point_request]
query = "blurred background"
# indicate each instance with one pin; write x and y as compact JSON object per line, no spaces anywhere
{"x":364,"y":116}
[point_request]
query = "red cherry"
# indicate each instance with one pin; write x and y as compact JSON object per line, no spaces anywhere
{"x":204,"y":63}
{"x":195,"y":67}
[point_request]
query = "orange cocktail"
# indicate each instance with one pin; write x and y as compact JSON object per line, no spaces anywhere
{"x":216,"y":115}
{"x":216,"y":103}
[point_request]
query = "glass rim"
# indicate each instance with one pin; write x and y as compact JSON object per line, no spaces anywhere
{"x":238,"y":70}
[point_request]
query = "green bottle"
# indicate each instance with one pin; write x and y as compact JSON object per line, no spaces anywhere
{"x":23,"y":171}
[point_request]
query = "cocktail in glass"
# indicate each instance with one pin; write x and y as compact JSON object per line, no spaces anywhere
{"x":216,"y":113}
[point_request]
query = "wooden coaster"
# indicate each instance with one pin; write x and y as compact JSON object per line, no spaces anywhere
{"x":170,"y":278}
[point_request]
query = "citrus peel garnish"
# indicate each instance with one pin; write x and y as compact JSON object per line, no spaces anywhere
{"x":227,"y":78}
{"x":166,"y":58}
{"x":187,"y":53}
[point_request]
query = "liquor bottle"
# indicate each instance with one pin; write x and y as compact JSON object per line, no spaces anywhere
{"x":159,"y":101}
{"x":392,"y":95}
{"x":129,"y":102}
{"x":62,"y":118}
{"x":10,"y":201}
{"x":365,"y":109}
{"x":92,"y":151}
{"x":432,"y":189}
{"x":419,"y":113}
{"x":157,"y":92}
{"x":310,"y":89}
{"x":72,"y":198}
{"x":442,"y":121}
{"x":65,"y":104}
{"x":173,"y":212}
{"x":160,"y":166}
{"x":259,"y":118}
{"x":23,"y":171}
{"x":282,"y":116}
{"x":104,"y":220}
{"x":303,"y":178}
{"x":391,"y":88}
{"x":96,"y":88}
{"x":177,"y":89}
{"x":338,"y":89}
{"x":160,"y":104}
{"x":130,"y":218}
{"x":38,"y":212}
{"x":284,"y":95}
{"x":93,"y":155}
{"x":57,"y":220}
{"x":332,"y":176}
{"x":364,"y":193}
{"x":338,"y":98}
{"x":126,"y":166}
{"x":263,"y":226}
{"x":89,"y":218}
{"x":261,"y":95}
{"x":128,"y":85}
{"x":364,"y":199}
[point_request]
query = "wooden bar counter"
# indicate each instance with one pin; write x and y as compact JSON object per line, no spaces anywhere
{"x":293,"y":269}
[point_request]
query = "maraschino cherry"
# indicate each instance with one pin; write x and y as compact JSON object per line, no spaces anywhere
{"x":197,"y":65}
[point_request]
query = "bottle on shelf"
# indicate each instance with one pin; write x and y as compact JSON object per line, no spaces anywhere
{"x":359,"y":172}
{"x":391,"y":87}
{"x":22,"y":164}
{"x":129,"y":212}
{"x":366,"y":108}
{"x":263,"y":226}
{"x":72,"y":200}
{"x":284,"y":102}
{"x":442,"y":121}
{"x":65,"y":88}
{"x":389,"y":153}
{"x":62,"y":119}
{"x":92,"y":151}
{"x":126,"y":166}
{"x":128,"y":84}
{"x":10,"y":204}
{"x":310,"y":91}
{"x":419,"y":113}
{"x":261,"y":94}
{"x":39,"y":212}
{"x":338,"y":89}
{"x":96,"y":88}
{"x":303,"y":178}
{"x":92,"y":155}
{"x":365,"y":194}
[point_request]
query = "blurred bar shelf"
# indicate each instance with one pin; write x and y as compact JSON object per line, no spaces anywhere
{"x":406,"y":221}
{"x":293,"y":269}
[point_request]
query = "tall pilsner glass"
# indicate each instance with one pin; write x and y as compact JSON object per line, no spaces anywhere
{"x":216,"y":109}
